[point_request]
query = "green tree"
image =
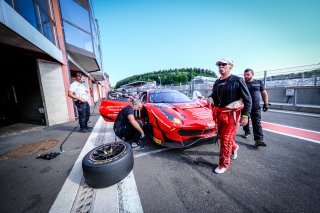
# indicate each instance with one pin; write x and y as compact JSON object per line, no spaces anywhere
{"x":170,"y":76}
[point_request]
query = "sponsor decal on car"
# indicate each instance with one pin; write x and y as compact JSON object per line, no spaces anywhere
{"x":156,"y":140}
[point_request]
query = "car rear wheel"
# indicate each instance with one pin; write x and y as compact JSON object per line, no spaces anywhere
{"x":107,"y":164}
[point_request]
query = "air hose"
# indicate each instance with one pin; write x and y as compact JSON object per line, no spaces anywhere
{"x":51,"y":155}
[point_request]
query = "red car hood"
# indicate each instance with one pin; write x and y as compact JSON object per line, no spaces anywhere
{"x":193,"y":110}
{"x":186,"y":105}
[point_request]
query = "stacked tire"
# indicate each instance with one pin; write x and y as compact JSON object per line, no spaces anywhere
{"x":107,"y":164}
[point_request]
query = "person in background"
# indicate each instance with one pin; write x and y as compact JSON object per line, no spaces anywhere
{"x":127,"y":127}
{"x":130,"y":98}
{"x":80,"y":95}
{"x":256,"y":87}
{"x":229,"y":96}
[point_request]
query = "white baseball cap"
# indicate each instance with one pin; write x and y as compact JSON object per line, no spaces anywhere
{"x":225,"y":60}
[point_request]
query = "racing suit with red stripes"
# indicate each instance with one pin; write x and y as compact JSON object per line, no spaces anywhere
{"x":225,"y":93}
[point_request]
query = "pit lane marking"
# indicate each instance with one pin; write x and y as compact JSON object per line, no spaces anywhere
{"x":122,"y":197}
{"x":151,"y":152}
{"x":304,"y":134}
{"x":68,"y":193}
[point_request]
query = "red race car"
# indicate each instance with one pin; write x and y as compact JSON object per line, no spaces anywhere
{"x":169,"y":117}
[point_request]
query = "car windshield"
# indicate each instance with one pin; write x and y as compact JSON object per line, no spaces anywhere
{"x":168,"y":97}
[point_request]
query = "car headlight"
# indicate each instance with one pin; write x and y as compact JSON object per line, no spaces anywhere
{"x":171,"y":117}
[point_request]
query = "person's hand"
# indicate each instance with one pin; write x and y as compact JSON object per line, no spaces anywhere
{"x":142,"y":135}
{"x":82,"y":100}
{"x":265,"y":107}
{"x":244,"y":120}
{"x":210,"y":101}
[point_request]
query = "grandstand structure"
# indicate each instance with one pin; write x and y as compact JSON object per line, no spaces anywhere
{"x":306,"y":75}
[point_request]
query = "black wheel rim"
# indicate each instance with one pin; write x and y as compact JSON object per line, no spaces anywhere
{"x":107,"y":152}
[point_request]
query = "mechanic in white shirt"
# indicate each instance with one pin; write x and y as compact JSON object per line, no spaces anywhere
{"x":80,"y":94}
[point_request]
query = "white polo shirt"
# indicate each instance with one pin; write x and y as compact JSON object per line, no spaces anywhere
{"x":79,"y":90}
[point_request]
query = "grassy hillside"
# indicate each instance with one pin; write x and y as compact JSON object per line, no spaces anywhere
{"x":171,"y":76}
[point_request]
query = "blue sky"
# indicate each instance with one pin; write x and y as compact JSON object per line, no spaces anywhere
{"x":141,"y":36}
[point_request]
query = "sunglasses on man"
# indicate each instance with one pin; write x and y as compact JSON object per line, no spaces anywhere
{"x":222,"y":64}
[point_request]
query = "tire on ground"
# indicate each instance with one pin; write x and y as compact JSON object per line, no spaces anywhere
{"x":104,"y":173}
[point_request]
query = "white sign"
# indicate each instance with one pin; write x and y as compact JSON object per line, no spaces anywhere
{"x":289,"y":92}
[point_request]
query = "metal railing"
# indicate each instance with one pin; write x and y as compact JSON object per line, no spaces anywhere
{"x":306,"y":75}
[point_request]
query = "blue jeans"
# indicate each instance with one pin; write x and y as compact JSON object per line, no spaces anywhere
{"x":84,"y":114}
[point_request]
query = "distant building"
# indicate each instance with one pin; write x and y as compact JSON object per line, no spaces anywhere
{"x":203,"y":80}
{"x":43,"y":44}
{"x":138,"y":86}
{"x":202,"y":83}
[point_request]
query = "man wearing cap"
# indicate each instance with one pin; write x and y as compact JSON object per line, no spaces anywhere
{"x":256,"y":87}
{"x":80,"y":94}
{"x":229,"y":96}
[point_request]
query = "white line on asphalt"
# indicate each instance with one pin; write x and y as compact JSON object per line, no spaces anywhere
{"x":129,"y":200}
{"x":151,"y":152}
{"x":68,"y":192}
{"x":295,"y":113}
{"x":294,"y":136}
{"x":106,"y":200}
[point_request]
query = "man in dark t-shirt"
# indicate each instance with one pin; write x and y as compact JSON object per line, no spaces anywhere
{"x":256,"y":87}
{"x":125,"y":125}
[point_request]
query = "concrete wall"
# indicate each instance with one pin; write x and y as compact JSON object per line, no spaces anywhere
{"x":88,"y":85}
{"x":95,"y":92}
{"x":53,"y":92}
{"x":277,"y":95}
{"x":302,"y":95}
{"x":308,"y":95}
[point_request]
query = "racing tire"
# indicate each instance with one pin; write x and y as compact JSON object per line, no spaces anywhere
{"x":107,"y":164}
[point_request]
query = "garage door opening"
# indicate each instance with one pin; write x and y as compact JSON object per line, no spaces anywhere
{"x":20,"y":96}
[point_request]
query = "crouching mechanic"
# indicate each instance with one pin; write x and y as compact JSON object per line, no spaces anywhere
{"x":256,"y":87}
{"x":126,"y":127}
{"x":229,"y":95}
{"x":80,"y":94}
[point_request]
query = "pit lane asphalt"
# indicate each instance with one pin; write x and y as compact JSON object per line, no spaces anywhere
{"x":284,"y":176}
{"x":32,"y":185}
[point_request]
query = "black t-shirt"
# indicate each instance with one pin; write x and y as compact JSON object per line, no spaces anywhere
{"x":255,"y":88}
{"x":122,"y":118}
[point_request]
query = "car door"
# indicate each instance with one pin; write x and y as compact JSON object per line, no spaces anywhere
{"x":109,"y":109}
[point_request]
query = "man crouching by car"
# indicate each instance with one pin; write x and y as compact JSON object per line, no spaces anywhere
{"x":125,"y":125}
